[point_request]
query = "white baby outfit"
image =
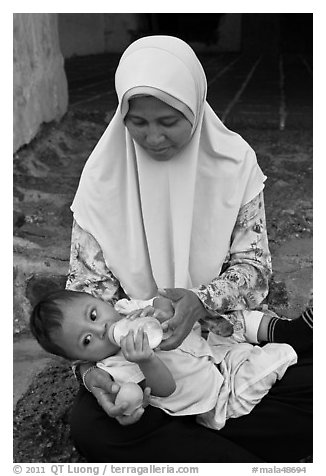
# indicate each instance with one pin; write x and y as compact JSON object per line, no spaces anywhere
{"x":215,"y":379}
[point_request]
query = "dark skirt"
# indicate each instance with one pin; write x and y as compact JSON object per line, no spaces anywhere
{"x":279,"y":429}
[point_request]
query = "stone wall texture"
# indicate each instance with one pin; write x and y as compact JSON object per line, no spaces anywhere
{"x":81,"y":33}
{"x":39,"y":80}
{"x":95,"y":33}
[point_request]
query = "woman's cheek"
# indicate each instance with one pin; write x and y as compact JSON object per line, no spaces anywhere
{"x":135,"y":133}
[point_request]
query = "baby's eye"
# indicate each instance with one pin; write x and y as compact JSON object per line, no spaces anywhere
{"x":87,"y":340}
{"x":93,"y":314}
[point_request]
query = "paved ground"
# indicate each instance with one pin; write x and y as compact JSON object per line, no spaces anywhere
{"x":263,"y":90}
{"x":266,"y":99}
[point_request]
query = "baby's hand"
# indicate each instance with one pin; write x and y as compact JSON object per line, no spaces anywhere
{"x":135,"y":348}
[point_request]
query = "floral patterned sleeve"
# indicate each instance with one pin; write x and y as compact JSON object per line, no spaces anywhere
{"x":243,"y":283}
{"x":87,"y":269}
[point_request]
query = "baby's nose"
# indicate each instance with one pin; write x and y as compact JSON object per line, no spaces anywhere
{"x":100,"y":329}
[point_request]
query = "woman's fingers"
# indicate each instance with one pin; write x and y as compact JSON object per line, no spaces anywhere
{"x":188,"y":309}
{"x":172,"y":342}
{"x":130,"y":419}
{"x":147,"y":394}
{"x":147,"y":311}
{"x":178,"y":327}
{"x":107,"y":403}
{"x":134,"y":314}
{"x":105,"y":390}
{"x":174,"y":294}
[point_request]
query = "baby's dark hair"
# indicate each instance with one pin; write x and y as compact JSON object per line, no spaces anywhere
{"x":47,"y":317}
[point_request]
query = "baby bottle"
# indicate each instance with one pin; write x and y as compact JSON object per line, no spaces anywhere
{"x":150,"y":325}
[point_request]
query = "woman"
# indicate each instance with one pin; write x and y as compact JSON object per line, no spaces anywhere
{"x":170,"y":198}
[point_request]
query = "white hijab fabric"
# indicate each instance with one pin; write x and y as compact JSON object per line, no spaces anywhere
{"x":165,"y":224}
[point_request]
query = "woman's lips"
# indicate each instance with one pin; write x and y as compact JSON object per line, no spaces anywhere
{"x":159,"y":151}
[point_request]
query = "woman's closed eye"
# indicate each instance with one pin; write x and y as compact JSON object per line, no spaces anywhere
{"x":137,"y":121}
{"x":169,"y":122}
{"x":165,"y":122}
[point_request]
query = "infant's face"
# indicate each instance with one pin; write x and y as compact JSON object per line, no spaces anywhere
{"x":84,"y":331}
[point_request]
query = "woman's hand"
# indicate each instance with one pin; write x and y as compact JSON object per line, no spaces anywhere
{"x":147,"y":311}
{"x":125,"y":420}
{"x":162,"y":310}
{"x":187,"y":310}
{"x":105,"y":389}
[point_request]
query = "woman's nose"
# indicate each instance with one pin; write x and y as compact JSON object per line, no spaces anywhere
{"x":154,"y":136}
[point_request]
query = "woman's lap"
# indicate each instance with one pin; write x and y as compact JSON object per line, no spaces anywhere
{"x":279,"y":429}
{"x":156,"y":438}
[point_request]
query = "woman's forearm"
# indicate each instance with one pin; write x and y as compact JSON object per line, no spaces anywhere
{"x":224,"y":294}
{"x":244,"y":282}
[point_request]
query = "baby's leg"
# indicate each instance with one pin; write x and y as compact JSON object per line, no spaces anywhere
{"x":253,"y":373}
{"x":267,"y":326}
{"x":297,"y":332}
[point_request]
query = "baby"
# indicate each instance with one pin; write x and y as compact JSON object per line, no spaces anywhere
{"x":214,"y":382}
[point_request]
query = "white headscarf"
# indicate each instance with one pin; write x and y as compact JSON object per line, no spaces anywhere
{"x":165,"y":224}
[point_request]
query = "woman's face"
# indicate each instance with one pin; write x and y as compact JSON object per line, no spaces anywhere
{"x":157,"y":127}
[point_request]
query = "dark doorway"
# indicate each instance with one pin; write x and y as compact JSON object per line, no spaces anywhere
{"x":296,"y":32}
{"x":190,"y":27}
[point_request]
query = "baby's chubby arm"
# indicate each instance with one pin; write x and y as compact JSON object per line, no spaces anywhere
{"x":135,"y":348}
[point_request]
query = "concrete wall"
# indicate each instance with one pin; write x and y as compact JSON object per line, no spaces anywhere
{"x":93,"y":33}
{"x":42,"y":40}
{"x":261,"y":33}
{"x":230,"y":32}
{"x":39,"y":80}
{"x":81,"y":33}
{"x":120,"y":30}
